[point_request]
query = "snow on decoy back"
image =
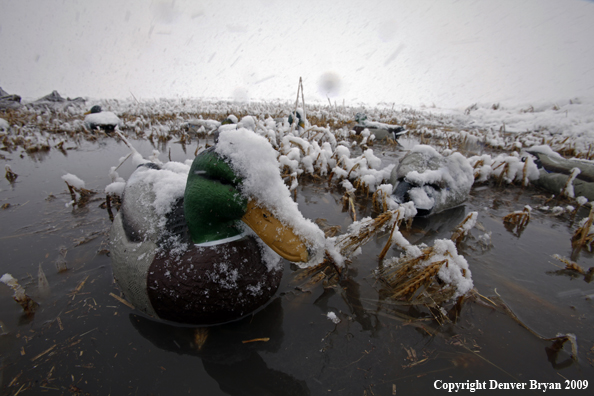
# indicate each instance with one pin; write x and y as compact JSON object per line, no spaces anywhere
{"x":432,"y":181}
{"x":98,"y":119}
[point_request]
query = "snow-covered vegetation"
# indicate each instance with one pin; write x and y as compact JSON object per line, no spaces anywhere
{"x":489,"y":140}
{"x":568,"y":128}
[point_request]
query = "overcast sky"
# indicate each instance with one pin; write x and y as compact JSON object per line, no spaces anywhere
{"x":442,"y":52}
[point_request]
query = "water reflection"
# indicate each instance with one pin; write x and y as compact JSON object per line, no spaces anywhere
{"x":440,"y":225}
{"x":234,"y":363}
{"x":553,"y":356}
{"x":350,"y":292}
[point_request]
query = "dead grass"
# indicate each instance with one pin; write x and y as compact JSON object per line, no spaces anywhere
{"x":350,"y":242}
{"x":583,"y":237}
{"x":518,"y":220}
{"x":460,"y":232}
{"x":414,"y":281}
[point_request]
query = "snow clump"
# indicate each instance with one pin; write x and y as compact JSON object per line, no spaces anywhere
{"x":253,"y":158}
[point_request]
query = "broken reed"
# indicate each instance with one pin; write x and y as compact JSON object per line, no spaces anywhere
{"x":379,"y":200}
{"x":329,"y":230}
{"x":459,"y":232}
{"x":20,"y":296}
{"x":10,"y":175}
{"x":582,"y":236}
{"x":111,"y":200}
{"x":83,"y":194}
{"x":350,"y":242}
{"x":411,"y":281}
{"x":348,"y":204}
{"x":307,"y":279}
{"x":574,"y":267}
{"x":518,"y":219}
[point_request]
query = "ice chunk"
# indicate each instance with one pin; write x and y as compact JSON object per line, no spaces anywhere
{"x":332,"y":316}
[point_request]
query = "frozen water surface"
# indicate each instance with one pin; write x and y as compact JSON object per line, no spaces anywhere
{"x":82,"y":338}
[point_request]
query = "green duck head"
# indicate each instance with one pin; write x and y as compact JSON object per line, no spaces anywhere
{"x":94,"y":110}
{"x":212,"y":203}
{"x":231,"y":119}
{"x":214,"y":209}
{"x":300,"y":121}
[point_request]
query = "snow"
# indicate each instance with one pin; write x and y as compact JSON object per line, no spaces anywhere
{"x":4,"y":125}
{"x":248,"y":122}
{"x":366,"y":168}
{"x":195,"y":124}
{"x":348,"y":187}
{"x":438,"y":181}
{"x":73,"y":180}
{"x":545,"y":149}
{"x":253,"y":158}
{"x":485,"y":240}
{"x":102,"y":118}
{"x":568,"y":191}
{"x":583,"y":222}
{"x":168,"y":184}
{"x":581,"y":200}
{"x":115,"y":188}
{"x":421,"y":199}
{"x":332,"y":316}
{"x":507,"y":167}
{"x":117,"y":183}
{"x":572,"y":118}
{"x":9,"y":280}
{"x":260,"y":151}
{"x":470,"y":223}
{"x":457,"y":272}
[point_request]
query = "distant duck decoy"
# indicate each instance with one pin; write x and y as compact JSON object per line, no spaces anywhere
{"x":555,"y":171}
{"x":8,"y":101}
{"x":300,"y":118}
{"x":98,"y":119}
{"x":231,"y":119}
{"x":433,"y":182}
{"x":55,"y":101}
{"x":378,"y":129}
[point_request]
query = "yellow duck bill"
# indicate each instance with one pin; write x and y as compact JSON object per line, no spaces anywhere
{"x":275,"y":234}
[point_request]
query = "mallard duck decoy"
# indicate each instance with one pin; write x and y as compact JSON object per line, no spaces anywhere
{"x":8,"y":101}
{"x":230,"y":119}
{"x":198,"y":264}
{"x":55,"y":101}
{"x":300,"y":118}
{"x":433,"y":182}
{"x":98,"y":119}
{"x":555,"y":171}
{"x":378,"y":129}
